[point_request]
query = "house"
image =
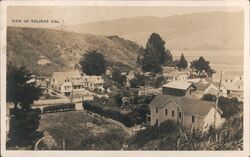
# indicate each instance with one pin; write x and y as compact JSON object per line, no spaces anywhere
{"x":233,"y":84}
{"x":229,"y":77}
{"x":176,"y":75}
{"x":93,"y":83}
{"x":234,"y":89}
{"x":66,"y":82}
{"x":179,"y":88}
{"x":186,"y":111}
{"x":207,"y":87}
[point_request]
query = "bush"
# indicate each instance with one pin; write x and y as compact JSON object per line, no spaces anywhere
{"x":167,"y":128}
{"x":23,"y":126}
{"x":128,"y":120}
{"x":61,"y":107}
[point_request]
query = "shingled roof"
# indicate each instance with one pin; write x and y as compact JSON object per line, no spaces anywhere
{"x":187,"y":105}
{"x":61,"y":76}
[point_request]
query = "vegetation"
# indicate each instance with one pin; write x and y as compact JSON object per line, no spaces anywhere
{"x":155,"y":55}
{"x":201,"y":66}
{"x":168,"y":129}
{"x":118,"y":78}
{"x":61,"y":107}
{"x":22,"y":91}
{"x":229,"y":106}
{"x":128,"y":119}
{"x":137,"y":81}
{"x":93,"y":63}
{"x":87,"y":132}
{"x":21,"y":87}
{"x":182,"y":63}
{"x":171,"y":136}
{"x":23,"y":128}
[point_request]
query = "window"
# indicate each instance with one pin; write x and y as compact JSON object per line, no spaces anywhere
{"x":156,"y":122}
{"x":192,"y":119}
{"x":53,"y":80}
{"x":240,"y":78}
{"x":231,"y":81}
{"x":238,"y":87}
{"x":156,"y":110}
{"x":166,"y":112}
{"x":173,"y":113}
{"x":226,"y":80}
{"x":179,"y":114}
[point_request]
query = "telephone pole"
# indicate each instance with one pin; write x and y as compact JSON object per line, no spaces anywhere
{"x":217,"y":100}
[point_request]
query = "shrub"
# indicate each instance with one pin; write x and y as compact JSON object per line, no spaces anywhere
{"x":167,"y":128}
{"x":61,"y":107}
{"x":23,"y":126}
{"x":128,"y":120}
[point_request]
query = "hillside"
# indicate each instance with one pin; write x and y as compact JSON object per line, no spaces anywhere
{"x":211,"y":31}
{"x":43,"y":50}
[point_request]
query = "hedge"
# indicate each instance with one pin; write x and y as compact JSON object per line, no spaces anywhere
{"x":60,"y":107}
{"x":129,"y":119}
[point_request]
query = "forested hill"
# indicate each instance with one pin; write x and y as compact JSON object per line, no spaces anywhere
{"x":43,"y":51}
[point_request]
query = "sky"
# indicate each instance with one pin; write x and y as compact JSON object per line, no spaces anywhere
{"x":72,"y":15}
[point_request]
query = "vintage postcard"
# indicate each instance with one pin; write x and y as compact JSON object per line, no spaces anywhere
{"x":119,"y":78}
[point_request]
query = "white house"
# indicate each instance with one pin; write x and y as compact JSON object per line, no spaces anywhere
{"x":186,"y":111}
{"x":93,"y":82}
{"x":176,"y":75}
{"x":66,"y":82}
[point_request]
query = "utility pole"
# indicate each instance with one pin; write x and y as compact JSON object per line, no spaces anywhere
{"x":72,"y":91}
{"x":217,"y":100}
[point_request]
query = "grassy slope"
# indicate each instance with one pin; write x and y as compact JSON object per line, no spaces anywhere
{"x":76,"y":127}
{"x":25,"y":46}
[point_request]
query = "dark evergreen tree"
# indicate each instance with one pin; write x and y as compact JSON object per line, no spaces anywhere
{"x":93,"y":63}
{"x":22,"y":91}
{"x":21,"y":87}
{"x":117,"y":77}
{"x":201,"y":65}
{"x":182,"y":64}
{"x":155,"y":54}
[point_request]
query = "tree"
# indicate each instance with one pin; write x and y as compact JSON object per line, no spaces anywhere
{"x":117,"y":77}
{"x":137,"y":81}
{"x":229,"y":106}
{"x":201,"y":66}
{"x":182,"y":64}
{"x":23,"y":127}
{"x":21,"y":89}
{"x":155,"y":55}
{"x":93,"y":63}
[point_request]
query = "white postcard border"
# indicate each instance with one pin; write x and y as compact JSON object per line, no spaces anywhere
{"x":21,"y":153}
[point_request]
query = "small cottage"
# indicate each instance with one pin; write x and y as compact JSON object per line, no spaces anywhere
{"x":178,"y":88}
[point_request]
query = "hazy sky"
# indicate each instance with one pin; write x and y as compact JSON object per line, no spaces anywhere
{"x":71,"y":15}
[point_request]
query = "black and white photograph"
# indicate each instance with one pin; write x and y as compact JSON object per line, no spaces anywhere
{"x":125,"y":78}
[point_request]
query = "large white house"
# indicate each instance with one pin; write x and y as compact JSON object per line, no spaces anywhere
{"x":66,"y":82}
{"x":186,"y":111}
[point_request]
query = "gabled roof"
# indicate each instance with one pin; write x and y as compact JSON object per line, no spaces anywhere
{"x":187,"y":105}
{"x":61,"y":76}
{"x":178,"y":85}
{"x":94,"y":79}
